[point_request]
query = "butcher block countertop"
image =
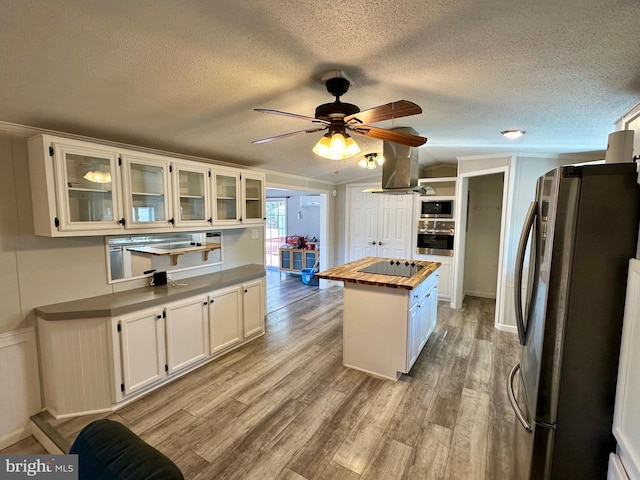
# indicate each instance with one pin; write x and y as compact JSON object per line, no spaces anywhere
{"x":349,"y":273}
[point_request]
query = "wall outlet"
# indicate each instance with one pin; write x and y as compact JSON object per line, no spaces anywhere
{"x":254,"y":234}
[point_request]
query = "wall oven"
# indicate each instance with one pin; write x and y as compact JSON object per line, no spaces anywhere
{"x":436,"y":209}
{"x":435,"y":237}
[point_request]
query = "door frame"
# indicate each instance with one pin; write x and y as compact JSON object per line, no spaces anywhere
{"x":326,"y":247}
{"x":459,"y":242}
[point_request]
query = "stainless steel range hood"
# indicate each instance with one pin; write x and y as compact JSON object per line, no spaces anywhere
{"x":400,"y":169}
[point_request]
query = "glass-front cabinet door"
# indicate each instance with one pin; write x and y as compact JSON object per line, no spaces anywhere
{"x":146,"y":187}
{"x":86,"y":187}
{"x":253,"y":190}
{"x":226,"y":189}
{"x":191,"y":195}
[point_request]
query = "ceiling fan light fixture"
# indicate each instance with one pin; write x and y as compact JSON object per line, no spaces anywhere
{"x":512,"y":134}
{"x":371,"y":161}
{"x":336,"y":146}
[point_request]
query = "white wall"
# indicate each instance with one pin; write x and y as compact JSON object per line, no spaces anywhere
{"x":302,"y":221}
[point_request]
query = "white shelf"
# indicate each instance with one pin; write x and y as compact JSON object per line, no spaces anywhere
{"x":90,"y":190}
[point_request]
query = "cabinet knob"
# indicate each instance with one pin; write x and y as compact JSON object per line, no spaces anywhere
{"x":246,"y":291}
{"x":158,"y":316}
{"x":372,"y":243}
{"x":205,"y":303}
{"x":211,"y":301}
{"x":379,"y":243}
{"x":122,"y":221}
{"x":171,"y":221}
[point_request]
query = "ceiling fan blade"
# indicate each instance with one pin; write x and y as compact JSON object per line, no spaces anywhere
{"x":389,"y":135}
{"x":401,"y":108}
{"x":294,"y":115}
{"x":290,"y":134}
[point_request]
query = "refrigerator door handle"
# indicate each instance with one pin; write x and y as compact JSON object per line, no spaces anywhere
{"x":517,"y":289}
{"x":514,"y":402}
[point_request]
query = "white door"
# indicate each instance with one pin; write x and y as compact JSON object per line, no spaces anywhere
{"x":379,"y":225}
{"x":225,"y":318}
{"x":187,"y":330}
{"x":394,"y":225}
{"x":143,"y":349}
{"x":363,"y":224}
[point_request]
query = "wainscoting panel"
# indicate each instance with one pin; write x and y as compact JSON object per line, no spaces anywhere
{"x":19,"y":384}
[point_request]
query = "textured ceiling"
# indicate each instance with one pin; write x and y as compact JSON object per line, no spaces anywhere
{"x":185,"y":75}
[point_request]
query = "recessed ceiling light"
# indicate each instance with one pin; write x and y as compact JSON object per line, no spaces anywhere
{"x":511,"y":134}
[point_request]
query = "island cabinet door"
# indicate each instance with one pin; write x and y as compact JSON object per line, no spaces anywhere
{"x":413,"y":340}
{"x":225,"y":318}
{"x":187,"y":327}
{"x":142,"y":346}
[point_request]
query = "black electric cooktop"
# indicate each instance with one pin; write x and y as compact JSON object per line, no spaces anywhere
{"x":393,"y":267}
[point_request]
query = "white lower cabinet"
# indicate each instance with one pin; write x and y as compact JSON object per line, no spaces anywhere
{"x":225,"y":318}
{"x":142,"y":349}
{"x":160,"y":342}
{"x":253,"y":307}
{"x":422,"y":318}
{"x":236,"y":314}
{"x":187,"y":326}
{"x":122,"y":357}
{"x":445,"y":275}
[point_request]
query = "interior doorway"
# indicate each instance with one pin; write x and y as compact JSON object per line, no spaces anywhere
{"x":294,"y":214}
{"x":275,"y":230}
{"x":483,"y":225}
{"x":480,"y":243}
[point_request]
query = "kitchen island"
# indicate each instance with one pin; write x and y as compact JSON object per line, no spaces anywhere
{"x":390,"y":309}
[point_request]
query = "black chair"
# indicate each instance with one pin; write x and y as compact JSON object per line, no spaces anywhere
{"x":108,"y":450}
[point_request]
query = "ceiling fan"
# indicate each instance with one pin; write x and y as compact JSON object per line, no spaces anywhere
{"x":340,"y":119}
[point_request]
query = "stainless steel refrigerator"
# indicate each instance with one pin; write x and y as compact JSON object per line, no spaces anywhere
{"x":575,"y":246}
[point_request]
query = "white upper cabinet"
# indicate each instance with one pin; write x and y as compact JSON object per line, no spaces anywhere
{"x":254,"y":195}
{"x":75,"y":186}
{"x":146,"y":191}
{"x":191,"y":198}
{"x":82,"y":188}
{"x":226,"y":197}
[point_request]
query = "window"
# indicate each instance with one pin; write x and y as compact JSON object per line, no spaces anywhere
{"x":275,"y":230}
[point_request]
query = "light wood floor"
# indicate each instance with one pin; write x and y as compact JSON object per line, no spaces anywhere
{"x":284,"y":407}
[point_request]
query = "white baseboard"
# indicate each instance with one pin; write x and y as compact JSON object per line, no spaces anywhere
{"x":507,"y":328}
{"x":14,"y":437}
{"x":20,"y":395}
{"x":481,"y":294}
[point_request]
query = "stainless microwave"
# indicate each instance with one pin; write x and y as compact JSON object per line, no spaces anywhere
{"x":436,"y":209}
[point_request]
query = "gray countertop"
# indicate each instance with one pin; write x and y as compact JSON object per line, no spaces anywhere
{"x":120,"y":303}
